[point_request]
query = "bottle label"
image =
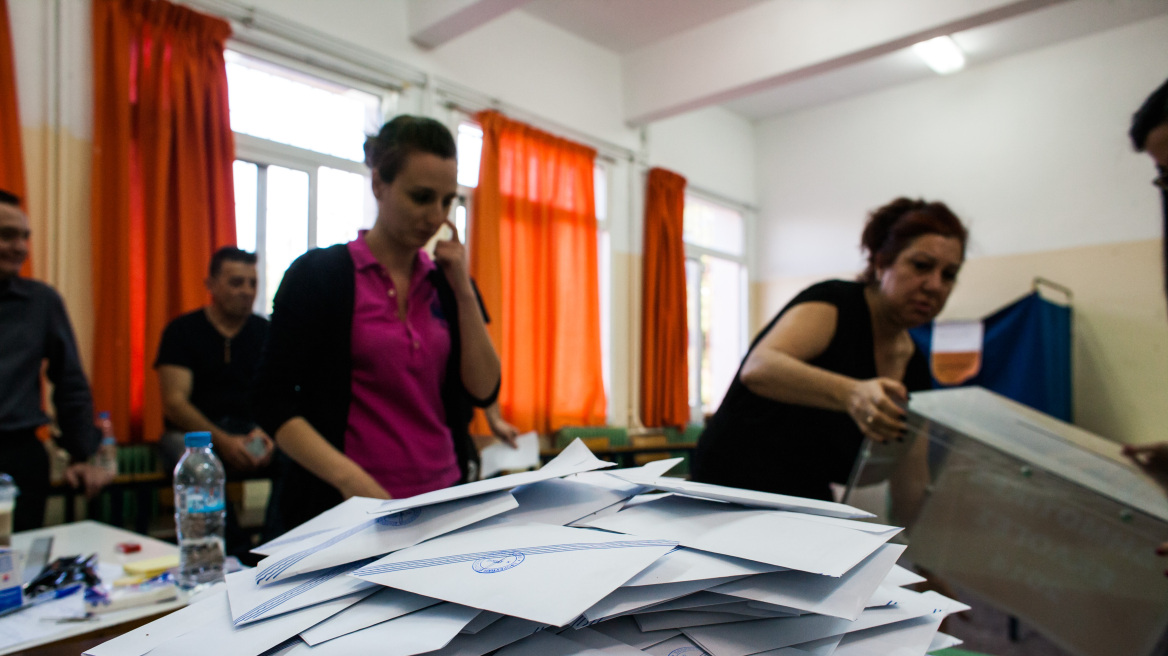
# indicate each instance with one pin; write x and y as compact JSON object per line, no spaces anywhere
{"x":204,"y":503}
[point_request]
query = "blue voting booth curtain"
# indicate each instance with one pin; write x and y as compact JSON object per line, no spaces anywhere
{"x":1026,"y":354}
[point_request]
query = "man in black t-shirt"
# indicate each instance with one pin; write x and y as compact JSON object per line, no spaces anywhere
{"x":206,"y":361}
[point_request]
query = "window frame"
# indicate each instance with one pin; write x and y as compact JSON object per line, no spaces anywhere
{"x":695,"y":253}
{"x":264,"y":153}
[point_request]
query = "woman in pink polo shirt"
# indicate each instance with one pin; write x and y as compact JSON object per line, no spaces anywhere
{"x":377,"y":353}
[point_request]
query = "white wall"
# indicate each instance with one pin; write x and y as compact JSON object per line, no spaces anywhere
{"x":713,"y":148}
{"x":516,"y":58}
{"x":1031,"y":150}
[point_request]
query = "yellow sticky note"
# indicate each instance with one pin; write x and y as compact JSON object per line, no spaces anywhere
{"x":152,"y":567}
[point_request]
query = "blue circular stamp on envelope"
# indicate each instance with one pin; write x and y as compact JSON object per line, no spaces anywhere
{"x":407,"y":516}
{"x":500,"y":561}
{"x":687,"y":651}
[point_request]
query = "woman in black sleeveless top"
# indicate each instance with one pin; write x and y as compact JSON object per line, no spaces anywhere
{"x":837,"y":362}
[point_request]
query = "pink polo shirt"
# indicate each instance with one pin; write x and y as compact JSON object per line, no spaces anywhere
{"x":397,"y":424}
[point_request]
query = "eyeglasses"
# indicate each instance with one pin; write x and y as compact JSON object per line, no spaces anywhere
{"x":1161,"y":180}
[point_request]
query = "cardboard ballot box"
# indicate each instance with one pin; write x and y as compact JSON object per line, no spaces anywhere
{"x":1044,"y":520}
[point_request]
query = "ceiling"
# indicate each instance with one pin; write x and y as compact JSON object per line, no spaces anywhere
{"x":762,"y":58}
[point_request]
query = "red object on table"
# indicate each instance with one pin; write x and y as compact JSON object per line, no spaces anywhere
{"x":128,"y":547}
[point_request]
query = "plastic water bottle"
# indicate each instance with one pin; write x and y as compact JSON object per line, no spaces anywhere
{"x":199,"y":513}
{"x":107,"y":453}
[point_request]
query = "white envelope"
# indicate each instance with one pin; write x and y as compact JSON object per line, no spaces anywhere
{"x":623,"y":601}
{"x":746,"y":609}
{"x":844,"y":597}
{"x":499,"y":457}
{"x":688,"y":619}
{"x":182,"y":621}
{"x":417,"y":633}
{"x":547,"y":574}
{"x":685,"y":564}
{"x":751,"y":498}
{"x":498,"y":634}
{"x":481,"y":621}
{"x":909,"y":638}
{"x":546,"y":643}
{"x":689,"y":602}
{"x":743,"y":638}
{"x":626,"y":630}
{"x":377,"y":536}
{"x":881,"y":597}
{"x":574,"y":459}
{"x":219,"y":637}
{"x":943,"y":641}
{"x":381,"y":606}
{"x":899,"y":577}
{"x":600,"y":642}
{"x":558,"y":501}
{"x":770,"y":536}
{"x":821,"y":647}
{"x":251,"y":603}
{"x":345,"y":514}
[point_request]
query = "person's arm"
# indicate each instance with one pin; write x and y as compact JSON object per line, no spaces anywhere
{"x":73,"y":404}
{"x":480,"y":364}
{"x":500,"y":428}
{"x":175,"y":384}
{"x":306,"y":446}
{"x":778,"y":369}
{"x":72,"y":400}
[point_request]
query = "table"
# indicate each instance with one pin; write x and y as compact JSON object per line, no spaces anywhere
{"x":87,"y":537}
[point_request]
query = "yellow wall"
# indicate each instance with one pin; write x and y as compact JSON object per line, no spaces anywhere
{"x":1120,"y":326}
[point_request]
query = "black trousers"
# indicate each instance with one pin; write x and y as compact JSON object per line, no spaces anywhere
{"x":24,"y":458}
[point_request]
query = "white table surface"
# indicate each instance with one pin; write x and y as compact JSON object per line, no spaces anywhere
{"x":84,"y":538}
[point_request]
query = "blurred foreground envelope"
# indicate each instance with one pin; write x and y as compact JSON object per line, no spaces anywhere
{"x":543,"y":573}
{"x":377,"y":536}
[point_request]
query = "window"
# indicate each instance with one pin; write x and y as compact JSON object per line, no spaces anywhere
{"x":300,"y":178}
{"x":715,"y":275}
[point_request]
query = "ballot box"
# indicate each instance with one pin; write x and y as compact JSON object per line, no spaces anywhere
{"x":1045,"y":521}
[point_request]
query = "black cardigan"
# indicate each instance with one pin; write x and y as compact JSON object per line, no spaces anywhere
{"x":306,"y":371}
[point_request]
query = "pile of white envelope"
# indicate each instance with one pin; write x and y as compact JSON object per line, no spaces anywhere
{"x":566,"y":560}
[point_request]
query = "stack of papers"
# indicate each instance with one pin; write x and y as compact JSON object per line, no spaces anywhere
{"x":567,"y":559}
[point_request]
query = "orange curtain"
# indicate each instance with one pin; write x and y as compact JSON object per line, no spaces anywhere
{"x":163,"y":195}
{"x":533,"y":254}
{"x":664,"y":367}
{"x":11,"y":152}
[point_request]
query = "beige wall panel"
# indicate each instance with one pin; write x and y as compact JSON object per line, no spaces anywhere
{"x":626,"y":339}
{"x":58,"y":178}
{"x":1120,"y":343}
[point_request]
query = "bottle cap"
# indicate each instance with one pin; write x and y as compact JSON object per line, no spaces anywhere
{"x":197,"y":440}
{"x":103,"y":415}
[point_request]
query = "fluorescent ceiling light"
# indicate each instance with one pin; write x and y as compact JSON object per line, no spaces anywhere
{"x":941,"y":54}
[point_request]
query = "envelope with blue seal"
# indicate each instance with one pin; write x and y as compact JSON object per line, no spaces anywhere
{"x":539,"y":572}
{"x":376,"y":536}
